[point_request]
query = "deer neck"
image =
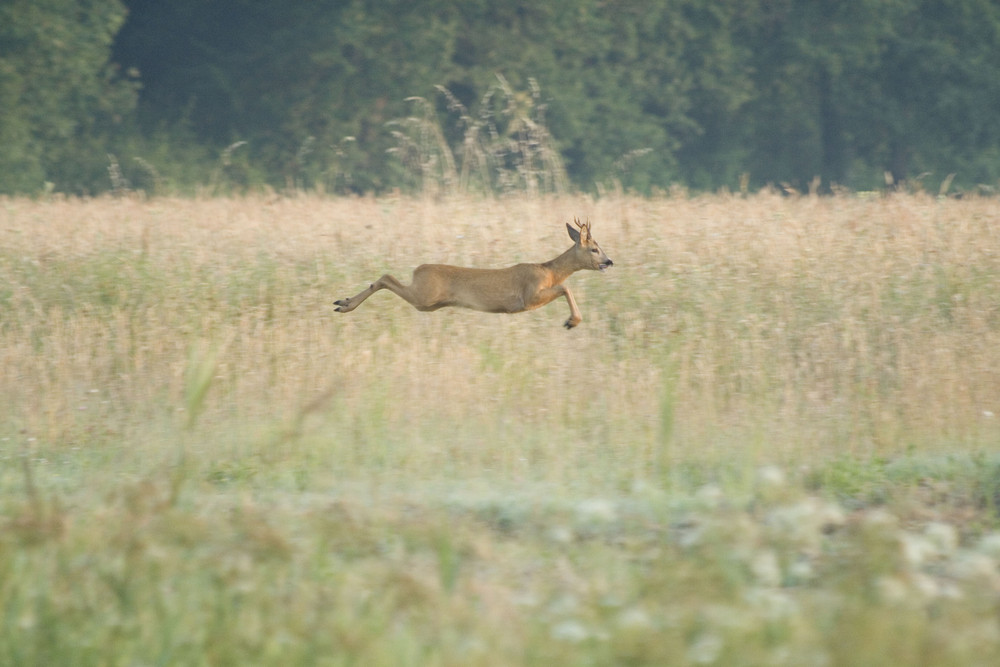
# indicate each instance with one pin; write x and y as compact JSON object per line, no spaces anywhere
{"x":563,"y":266}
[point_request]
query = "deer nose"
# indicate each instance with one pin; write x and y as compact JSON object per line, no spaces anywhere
{"x":609,"y":262}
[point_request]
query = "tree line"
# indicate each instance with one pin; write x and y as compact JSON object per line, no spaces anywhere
{"x":494,"y":95}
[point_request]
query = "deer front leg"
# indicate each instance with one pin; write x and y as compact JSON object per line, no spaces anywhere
{"x":574,"y":312}
{"x":549,"y":294}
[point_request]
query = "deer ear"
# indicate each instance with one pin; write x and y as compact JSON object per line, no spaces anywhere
{"x":573,"y":233}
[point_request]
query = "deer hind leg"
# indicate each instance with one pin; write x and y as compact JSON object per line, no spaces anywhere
{"x":350,"y":303}
{"x":412,"y":295}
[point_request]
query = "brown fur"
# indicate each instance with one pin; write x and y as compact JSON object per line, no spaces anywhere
{"x":512,"y":290}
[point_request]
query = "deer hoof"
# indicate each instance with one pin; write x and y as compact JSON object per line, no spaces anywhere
{"x":569,"y":324}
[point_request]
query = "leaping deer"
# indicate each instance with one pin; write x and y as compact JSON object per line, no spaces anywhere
{"x":512,"y":290}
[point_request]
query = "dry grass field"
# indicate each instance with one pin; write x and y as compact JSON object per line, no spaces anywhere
{"x":772,"y":440}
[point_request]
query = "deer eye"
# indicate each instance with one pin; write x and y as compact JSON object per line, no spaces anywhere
{"x":593,"y":250}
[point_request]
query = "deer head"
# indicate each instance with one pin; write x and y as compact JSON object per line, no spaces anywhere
{"x":590,"y":254}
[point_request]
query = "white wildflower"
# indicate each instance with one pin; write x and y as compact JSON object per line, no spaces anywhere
{"x":596,"y":510}
{"x":772,"y":604}
{"x":943,"y":536}
{"x":570,"y":631}
{"x":710,"y":496}
{"x":937,"y":541}
{"x":950,"y":590}
{"x":705,"y":649}
{"x":526,"y":599}
{"x":770,"y":477}
{"x":801,"y":570}
{"x":766,"y":568}
{"x":634,"y":618}
{"x":892,"y":589}
{"x":989,"y":544}
{"x":916,"y":549}
{"x":564,"y":605}
{"x":805,"y":521}
{"x":561,"y":534}
{"x":880,"y":518}
{"x":977,"y":567}
{"x":26,"y":621}
{"x":926,"y":585}
{"x":690,"y":534}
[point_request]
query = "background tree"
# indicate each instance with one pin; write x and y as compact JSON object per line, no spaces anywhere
{"x":60,"y":99}
{"x":624,"y":85}
{"x":931,"y":100}
{"x":370,"y":95}
{"x":849,"y":90}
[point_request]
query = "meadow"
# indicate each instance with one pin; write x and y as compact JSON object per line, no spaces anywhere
{"x":772,"y":440}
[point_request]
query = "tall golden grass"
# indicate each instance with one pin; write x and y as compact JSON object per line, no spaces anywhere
{"x":207,"y":462}
{"x":794,"y":327}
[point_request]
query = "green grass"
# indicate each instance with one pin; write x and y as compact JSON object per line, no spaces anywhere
{"x":771,"y":440}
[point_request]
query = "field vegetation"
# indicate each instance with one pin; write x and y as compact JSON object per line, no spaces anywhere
{"x":772,"y":440}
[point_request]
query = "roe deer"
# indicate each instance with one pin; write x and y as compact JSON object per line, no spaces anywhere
{"x":512,"y":290}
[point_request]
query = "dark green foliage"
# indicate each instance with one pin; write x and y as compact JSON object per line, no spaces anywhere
{"x":60,"y":99}
{"x":848,"y":90}
{"x":238,"y":94}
